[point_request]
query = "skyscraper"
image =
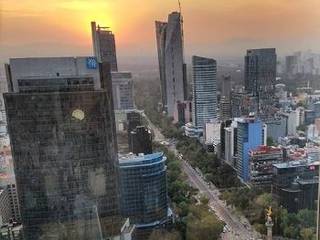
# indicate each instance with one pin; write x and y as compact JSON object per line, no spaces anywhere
{"x":260,"y":77}
{"x":62,"y":130}
{"x":122,"y":88}
{"x":104,"y":46}
{"x":204,"y":90}
{"x":249,"y":136}
{"x":144,"y":190}
{"x":260,"y":70}
{"x":171,"y":62}
{"x":225,"y":101}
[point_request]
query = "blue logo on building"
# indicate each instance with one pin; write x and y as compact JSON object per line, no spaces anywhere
{"x":92,"y":63}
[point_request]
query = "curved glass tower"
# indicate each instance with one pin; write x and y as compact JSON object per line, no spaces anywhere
{"x":144,"y":189}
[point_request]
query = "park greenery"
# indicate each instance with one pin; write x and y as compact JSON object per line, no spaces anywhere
{"x":253,"y":204}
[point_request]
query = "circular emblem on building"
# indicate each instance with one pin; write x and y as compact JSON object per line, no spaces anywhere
{"x":78,"y":114}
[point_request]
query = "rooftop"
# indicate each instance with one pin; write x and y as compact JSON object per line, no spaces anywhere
{"x":294,"y":164}
{"x":132,"y":160}
{"x":265,"y":149}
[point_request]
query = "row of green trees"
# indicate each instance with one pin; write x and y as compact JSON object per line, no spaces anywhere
{"x":219,"y":173}
{"x":193,"y":219}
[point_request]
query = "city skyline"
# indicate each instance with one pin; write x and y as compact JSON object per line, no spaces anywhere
{"x":226,"y":31}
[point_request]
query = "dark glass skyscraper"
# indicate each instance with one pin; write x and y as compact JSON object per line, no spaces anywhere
{"x":260,"y":70}
{"x":144,"y":189}
{"x":62,"y":130}
{"x":104,"y":45}
{"x":260,"y":78}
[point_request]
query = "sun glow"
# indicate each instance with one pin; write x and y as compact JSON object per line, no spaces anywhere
{"x":84,"y":12}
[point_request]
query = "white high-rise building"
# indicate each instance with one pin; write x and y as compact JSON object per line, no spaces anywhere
{"x":122,"y":90}
{"x":204,"y":90}
{"x":171,"y":62}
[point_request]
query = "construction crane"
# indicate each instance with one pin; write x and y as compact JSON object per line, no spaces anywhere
{"x":179,"y":6}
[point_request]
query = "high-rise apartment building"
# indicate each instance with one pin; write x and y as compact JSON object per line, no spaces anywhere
{"x":122,"y":88}
{"x":62,"y":131}
{"x":104,"y":45}
{"x":171,"y":62}
{"x":249,"y":136}
{"x":204,"y":90}
{"x":225,"y":100}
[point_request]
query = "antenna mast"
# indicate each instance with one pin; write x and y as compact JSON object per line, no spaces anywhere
{"x":179,"y":6}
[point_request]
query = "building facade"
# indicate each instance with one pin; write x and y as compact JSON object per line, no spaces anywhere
{"x":14,"y":202}
{"x":5,"y":207}
{"x":144,"y":189}
{"x":242,"y":104}
{"x":204,"y":90}
{"x":295,"y":184}
{"x":260,"y":70}
{"x":62,"y":130}
{"x":260,"y":76}
{"x":140,"y":140}
{"x":122,"y":89}
{"x":183,"y":112}
{"x":276,"y":128}
{"x":104,"y":45}
{"x":171,"y":61}
{"x":262,"y":159}
{"x":249,"y":136}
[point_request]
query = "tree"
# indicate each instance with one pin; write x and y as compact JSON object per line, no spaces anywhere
{"x":306,"y":218}
{"x":204,"y":200}
{"x":202,"y":224}
{"x":165,"y":235}
{"x":270,"y":141}
{"x":302,"y":128}
{"x":307,"y":234}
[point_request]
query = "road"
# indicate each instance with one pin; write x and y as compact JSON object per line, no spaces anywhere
{"x":236,"y":228}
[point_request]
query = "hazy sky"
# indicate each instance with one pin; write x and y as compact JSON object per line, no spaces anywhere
{"x":216,"y":28}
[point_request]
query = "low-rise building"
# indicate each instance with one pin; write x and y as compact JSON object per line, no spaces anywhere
{"x":262,"y":159}
{"x":303,"y":173}
{"x":212,"y":135}
{"x":192,"y":131}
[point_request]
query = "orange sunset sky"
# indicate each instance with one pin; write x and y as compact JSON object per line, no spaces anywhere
{"x":216,"y":28}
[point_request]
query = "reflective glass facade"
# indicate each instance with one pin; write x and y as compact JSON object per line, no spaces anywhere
{"x":204,"y":90}
{"x":144,"y":189}
{"x":64,"y":151}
